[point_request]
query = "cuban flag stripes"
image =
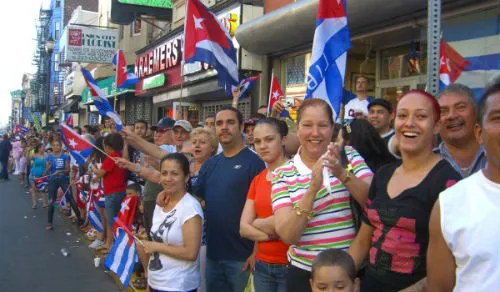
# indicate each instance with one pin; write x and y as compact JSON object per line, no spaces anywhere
{"x":123,"y":77}
{"x":329,"y":54}
{"x":41,"y":183}
{"x":78,"y":147}
{"x":94,"y":217}
{"x":100,"y":100}
{"x":122,"y":257}
{"x":246,"y":85}
{"x":82,"y":196}
{"x":20,"y":129}
{"x":206,"y":40}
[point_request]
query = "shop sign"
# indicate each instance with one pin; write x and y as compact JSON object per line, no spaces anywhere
{"x":90,"y":45}
{"x":150,"y":3}
{"x":159,"y":59}
{"x":154,"y":81}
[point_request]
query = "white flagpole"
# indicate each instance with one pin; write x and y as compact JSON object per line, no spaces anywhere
{"x":270,"y":94}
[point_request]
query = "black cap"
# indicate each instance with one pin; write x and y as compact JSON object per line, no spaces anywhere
{"x":381,"y":102}
{"x":164,"y":123}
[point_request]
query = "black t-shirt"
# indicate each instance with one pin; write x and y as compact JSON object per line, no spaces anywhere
{"x":401,"y":235}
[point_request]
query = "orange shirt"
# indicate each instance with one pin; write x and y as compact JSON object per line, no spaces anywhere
{"x":275,"y":251}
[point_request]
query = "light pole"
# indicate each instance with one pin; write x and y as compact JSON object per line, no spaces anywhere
{"x":49,"y":47}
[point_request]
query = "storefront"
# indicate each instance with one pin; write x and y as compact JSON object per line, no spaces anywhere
{"x":191,"y":93}
{"x":389,"y":47}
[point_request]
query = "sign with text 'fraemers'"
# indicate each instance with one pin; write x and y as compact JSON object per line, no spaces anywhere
{"x":90,"y":44}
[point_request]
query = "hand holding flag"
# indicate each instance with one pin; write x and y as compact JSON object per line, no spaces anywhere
{"x":246,"y":85}
{"x":122,"y":257}
{"x":275,"y":93}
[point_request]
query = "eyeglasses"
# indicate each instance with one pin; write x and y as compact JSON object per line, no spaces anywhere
{"x":164,"y":130}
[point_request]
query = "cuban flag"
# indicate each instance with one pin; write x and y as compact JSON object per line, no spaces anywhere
{"x":20,"y":129}
{"x":275,"y":93}
{"x":41,"y":183}
{"x":329,"y":54}
{"x":126,"y":214}
{"x":206,"y":40}
{"x":246,"y":85}
{"x":94,"y":217}
{"x":122,"y":257}
{"x":82,"y":196}
{"x":123,"y":77}
{"x":78,"y":147}
{"x":100,"y":100}
{"x":451,"y":64}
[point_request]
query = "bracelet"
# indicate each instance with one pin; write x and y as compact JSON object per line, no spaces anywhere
{"x":345,"y":177}
{"x":299,"y":211}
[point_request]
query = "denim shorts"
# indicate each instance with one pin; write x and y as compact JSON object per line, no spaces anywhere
{"x":112,"y":205}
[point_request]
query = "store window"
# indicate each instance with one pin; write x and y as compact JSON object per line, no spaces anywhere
{"x":294,"y":80}
{"x":404,"y":61}
{"x":136,"y":27}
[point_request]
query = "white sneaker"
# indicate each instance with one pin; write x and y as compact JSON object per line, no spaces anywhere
{"x":96,"y":243}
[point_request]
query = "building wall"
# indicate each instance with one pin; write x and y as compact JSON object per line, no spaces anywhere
{"x":271,"y":5}
{"x":71,"y":5}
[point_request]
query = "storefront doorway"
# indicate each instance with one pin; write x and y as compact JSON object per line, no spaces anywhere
{"x":392,"y":89}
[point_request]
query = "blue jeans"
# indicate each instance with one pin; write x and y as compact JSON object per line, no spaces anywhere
{"x":4,"y":174}
{"x":269,"y":277}
{"x":226,"y":276}
{"x":112,"y":205}
{"x":56,"y":182}
{"x":156,"y":290}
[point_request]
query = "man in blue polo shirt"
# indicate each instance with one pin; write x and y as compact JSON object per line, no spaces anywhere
{"x":224,"y":182}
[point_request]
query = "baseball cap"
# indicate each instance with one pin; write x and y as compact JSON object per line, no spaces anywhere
{"x":184,"y":124}
{"x":164,"y":123}
{"x":381,"y":102}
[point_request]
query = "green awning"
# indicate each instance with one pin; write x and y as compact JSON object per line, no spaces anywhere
{"x":108,"y":86}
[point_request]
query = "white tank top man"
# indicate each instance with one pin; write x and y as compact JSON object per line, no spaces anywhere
{"x":464,"y":243}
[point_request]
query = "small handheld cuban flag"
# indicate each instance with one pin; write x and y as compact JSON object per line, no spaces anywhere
{"x":206,"y":40}
{"x":94,"y":217}
{"x":20,"y":129}
{"x":78,"y":147}
{"x":122,"y":257}
{"x":41,"y":183}
{"x":100,"y":100}
{"x":329,"y":54}
{"x":246,"y":85}
{"x":123,"y":77}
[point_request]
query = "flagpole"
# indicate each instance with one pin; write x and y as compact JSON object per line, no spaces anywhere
{"x":269,"y":112}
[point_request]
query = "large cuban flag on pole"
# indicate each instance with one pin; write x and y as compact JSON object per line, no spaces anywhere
{"x":206,"y":40}
{"x":329,"y":54}
{"x":100,"y":101}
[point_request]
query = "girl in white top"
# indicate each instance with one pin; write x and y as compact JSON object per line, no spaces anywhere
{"x":176,"y":232}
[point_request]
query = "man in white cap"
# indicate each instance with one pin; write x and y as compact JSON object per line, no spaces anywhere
{"x":182,"y":130}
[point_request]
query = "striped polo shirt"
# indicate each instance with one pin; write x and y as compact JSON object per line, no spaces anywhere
{"x":332,"y":225}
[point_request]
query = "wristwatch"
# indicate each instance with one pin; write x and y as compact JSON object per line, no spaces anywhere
{"x":345,"y":177}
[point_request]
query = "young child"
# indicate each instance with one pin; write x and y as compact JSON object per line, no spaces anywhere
{"x":334,"y":270}
{"x":113,"y":180}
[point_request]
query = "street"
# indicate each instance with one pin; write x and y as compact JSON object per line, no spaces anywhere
{"x":30,"y":256}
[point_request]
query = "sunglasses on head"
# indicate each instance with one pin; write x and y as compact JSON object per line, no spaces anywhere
{"x":163,"y":130}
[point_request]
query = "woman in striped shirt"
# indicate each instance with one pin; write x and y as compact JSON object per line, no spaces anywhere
{"x":311,"y":192}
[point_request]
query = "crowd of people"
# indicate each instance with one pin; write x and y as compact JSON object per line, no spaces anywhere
{"x":392,"y":199}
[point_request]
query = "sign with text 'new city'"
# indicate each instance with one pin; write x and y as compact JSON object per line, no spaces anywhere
{"x":90,"y":44}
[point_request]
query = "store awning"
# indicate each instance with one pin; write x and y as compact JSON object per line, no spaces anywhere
{"x":71,"y":105}
{"x":108,"y":86}
{"x":291,"y":27}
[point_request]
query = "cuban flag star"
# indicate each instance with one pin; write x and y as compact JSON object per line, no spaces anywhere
{"x":451,"y":65}
{"x":206,"y":40}
{"x":78,"y":147}
{"x":100,"y":100}
{"x":329,"y":54}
